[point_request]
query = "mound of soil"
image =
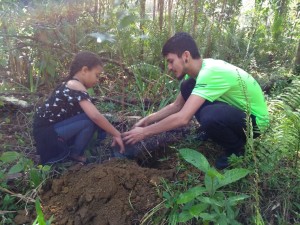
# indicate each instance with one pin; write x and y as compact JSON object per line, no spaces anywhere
{"x":117,"y":192}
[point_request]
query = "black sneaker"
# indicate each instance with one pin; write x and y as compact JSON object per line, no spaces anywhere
{"x":202,"y":135}
{"x":222,"y":162}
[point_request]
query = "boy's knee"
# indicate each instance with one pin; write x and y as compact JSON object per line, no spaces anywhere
{"x":207,"y":121}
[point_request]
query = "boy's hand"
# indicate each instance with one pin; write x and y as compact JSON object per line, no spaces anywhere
{"x":141,"y":123}
{"x":133,"y":136}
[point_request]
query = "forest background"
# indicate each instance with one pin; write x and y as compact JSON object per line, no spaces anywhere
{"x":39,"y":38}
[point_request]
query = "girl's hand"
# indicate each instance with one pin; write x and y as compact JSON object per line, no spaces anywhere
{"x":118,"y":140}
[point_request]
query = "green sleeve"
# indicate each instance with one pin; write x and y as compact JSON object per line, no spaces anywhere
{"x":211,"y":85}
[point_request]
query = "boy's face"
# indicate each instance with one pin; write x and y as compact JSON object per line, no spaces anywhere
{"x":176,"y":65}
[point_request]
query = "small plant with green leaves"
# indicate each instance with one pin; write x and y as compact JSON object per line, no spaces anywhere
{"x":12,"y":162}
{"x":277,"y":159}
{"x":14,"y":165}
{"x":40,"y":218}
{"x":206,"y":203}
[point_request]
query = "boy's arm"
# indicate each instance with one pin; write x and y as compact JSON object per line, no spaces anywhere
{"x":170,"y":109}
{"x":173,"y":121}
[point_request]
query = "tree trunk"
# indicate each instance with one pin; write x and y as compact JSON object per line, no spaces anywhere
{"x":184,"y":15}
{"x":11,"y":62}
{"x":154,"y":10}
{"x":209,"y":43}
{"x":196,"y":12}
{"x":142,"y":19}
{"x":161,"y":13}
{"x":297,"y":61}
{"x":170,"y":4}
{"x":281,"y":8}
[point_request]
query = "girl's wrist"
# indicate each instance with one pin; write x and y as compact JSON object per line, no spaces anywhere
{"x":116,"y":134}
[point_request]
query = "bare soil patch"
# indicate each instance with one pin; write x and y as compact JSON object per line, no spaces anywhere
{"x":118,"y":192}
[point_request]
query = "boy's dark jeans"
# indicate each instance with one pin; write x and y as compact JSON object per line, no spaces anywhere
{"x":224,"y":124}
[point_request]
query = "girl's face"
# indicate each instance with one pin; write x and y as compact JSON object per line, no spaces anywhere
{"x":92,"y":76}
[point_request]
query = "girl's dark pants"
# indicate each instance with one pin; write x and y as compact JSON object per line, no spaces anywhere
{"x":224,"y":124}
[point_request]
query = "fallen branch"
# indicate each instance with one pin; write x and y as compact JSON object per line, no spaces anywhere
{"x":20,"y":196}
{"x":114,"y":100}
{"x":6,"y":212}
{"x":122,"y":65}
{"x":132,"y":102}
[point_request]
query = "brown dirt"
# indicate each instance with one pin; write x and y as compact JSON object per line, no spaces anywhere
{"x":118,"y":192}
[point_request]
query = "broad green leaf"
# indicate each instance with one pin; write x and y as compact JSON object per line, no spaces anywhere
{"x":8,"y":157}
{"x":233,"y":175}
{"x":101,"y":37}
{"x":210,"y":184}
{"x":234,"y":222}
{"x":222,"y":220}
{"x":195,"y":210}
{"x":195,"y":158}
{"x":7,"y":201}
{"x":91,"y":91}
{"x":16,"y":168}
{"x":126,"y":21}
{"x":35,"y":177}
{"x":234,"y":199}
{"x":208,"y":217}
{"x":49,"y":222}
{"x":51,"y":70}
{"x":229,"y":212}
{"x":184,"y":217}
{"x":39,"y":212}
{"x":210,"y":201}
{"x":166,"y":195}
{"x":121,"y":13}
{"x":2,"y":175}
{"x":35,"y":222}
{"x":297,"y":205}
{"x":46,"y":168}
{"x":212,"y":172}
{"x":190,"y":194}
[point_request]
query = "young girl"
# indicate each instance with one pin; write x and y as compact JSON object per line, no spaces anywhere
{"x":70,"y":116}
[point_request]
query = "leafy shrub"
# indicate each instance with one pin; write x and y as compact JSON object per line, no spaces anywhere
{"x":206,"y":203}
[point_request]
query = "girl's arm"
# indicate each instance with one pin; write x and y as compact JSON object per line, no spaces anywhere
{"x":93,"y":113}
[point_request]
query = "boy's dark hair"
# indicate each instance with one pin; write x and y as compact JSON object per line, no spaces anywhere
{"x":180,"y":43}
{"x":84,"y":58}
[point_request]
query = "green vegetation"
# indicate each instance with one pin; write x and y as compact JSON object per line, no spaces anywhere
{"x":204,"y":203}
{"x":28,"y":179}
{"x":40,"y":220}
{"x":39,"y":38}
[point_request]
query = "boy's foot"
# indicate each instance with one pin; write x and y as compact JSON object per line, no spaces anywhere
{"x":202,"y":136}
{"x":222,"y":162}
{"x":78,"y":158}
